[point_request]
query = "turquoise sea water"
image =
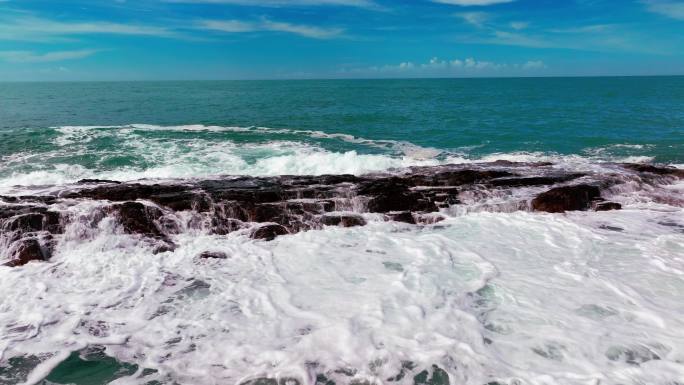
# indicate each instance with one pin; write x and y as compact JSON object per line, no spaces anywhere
{"x":604,"y":118}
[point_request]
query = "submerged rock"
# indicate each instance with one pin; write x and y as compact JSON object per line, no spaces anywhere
{"x":268,"y":232}
{"x":25,"y":251}
{"x":344,"y":220}
{"x":213,"y":255}
{"x":567,"y":198}
{"x":608,"y":206}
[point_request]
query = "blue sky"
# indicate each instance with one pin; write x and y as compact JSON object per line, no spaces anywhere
{"x":246,"y":39}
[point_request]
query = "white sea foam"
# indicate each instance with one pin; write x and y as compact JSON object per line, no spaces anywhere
{"x":148,"y":157}
{"x":563,"y":300}
{"x":515,"y":297}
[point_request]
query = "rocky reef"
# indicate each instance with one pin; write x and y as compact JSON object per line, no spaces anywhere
{"x":267,"y":207}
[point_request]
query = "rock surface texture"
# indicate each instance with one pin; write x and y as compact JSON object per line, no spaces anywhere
{"x":264,"y":208}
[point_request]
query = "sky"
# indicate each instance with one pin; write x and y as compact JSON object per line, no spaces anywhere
{"x":57,"y":40}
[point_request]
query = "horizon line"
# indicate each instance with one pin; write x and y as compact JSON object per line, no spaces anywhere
{"x":343,"y":79}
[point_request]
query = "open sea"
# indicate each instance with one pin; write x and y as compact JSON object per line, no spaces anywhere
{"x":489,"y":295}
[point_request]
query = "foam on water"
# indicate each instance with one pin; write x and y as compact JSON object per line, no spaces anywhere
{"x":486,"y":295}
{"x":542,"y":299}
{"x":134,"y":152}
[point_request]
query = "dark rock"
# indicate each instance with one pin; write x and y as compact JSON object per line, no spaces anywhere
{"x":97,"y":181}
{"x":404,"y":216}
{"x":137,"y":218}
{"x":25,"y":251}
{"x":608,"y":206}
{"x":344,"y":220}
{"x":393,"y":194}
{"x":25,"y":223}
{"x":658,"y":170}
{"x":213,"y":255}
{"x":568,"y":198}
{"x":534,"y":181}
{"x":268,"y":232}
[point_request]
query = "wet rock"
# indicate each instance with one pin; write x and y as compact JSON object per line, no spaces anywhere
{"x":25,"y":251}
{"x":439,"y":177}
{"x":97,"y":181}
{"x":137,"y":218}
{"x":608,"y":206}
{"x":268,"y":232}
{"x":403,"y":216}
{"x":653,"y":169}
{"x":568,"y":198}
{"x":394,"y":194}
{"x":344,"y":220}
{"x":213,"y":255}
{"x":534,"y":181}
{"x":611,"y":228}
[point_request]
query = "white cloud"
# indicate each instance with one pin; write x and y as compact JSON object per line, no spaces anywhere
{"x":33,"y":57}
{"x":237,"y":26}
{"x":517,"y":39}
{"x":38,"y":29}
{"x":669,"y":8}
{"x":467,"y":3}
{"x":286,"y":3}
{"x":519,"y":25}
{"x":454,"y":67}
{"x":534,"y":65}
{"x":584,"y":29}
{"x":230,"y":26}
{"x":475,"y":18}
{"x":303,"y":30}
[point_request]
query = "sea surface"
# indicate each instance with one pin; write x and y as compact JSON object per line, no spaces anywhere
{"x":576,"y":298}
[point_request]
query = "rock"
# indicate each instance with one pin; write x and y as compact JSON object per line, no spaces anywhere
{"x":136,"y":218}
{"x":97,"y":181}
{"x":658,"y":170}
{"x":25,"y":251}
{"x":403,"y":216}
{"x":213,"y":255}
{"x":25,"y":222}
{"x":534,"y":181}
{"x":344,"y":220}
{"x":393,"y":194}
{"x":607,"y":206}
{"x":268,"y":232}
{"x":568,"y":198}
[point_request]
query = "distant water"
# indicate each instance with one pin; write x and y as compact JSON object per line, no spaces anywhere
{"x":487,"y":296}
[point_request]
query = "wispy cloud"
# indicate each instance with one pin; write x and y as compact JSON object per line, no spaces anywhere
{"x":475,"y":18}
{"x":468,"y":3}
{"x":584,"y":29}
{"x":39,"y":29}
{"x":286,"y":3}
{"x":238,"y":26}
{"x":33,"y":57}
{"x":519,"y":25}
{"x":669,"y":8}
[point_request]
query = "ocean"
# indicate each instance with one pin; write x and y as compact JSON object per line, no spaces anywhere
{"x":480,"y":289}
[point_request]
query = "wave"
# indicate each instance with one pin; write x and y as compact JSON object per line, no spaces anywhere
{"x":131,"y":152}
